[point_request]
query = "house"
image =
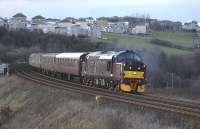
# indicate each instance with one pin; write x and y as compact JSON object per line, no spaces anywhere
{"x":190,"y":26}
{"x":4,"y":69}
{"x":62,"y":30}
{"x":69,"y":19}
{"x":116,"y":27}
{"x":3,"y":23}
{"x":64,"y":27}
{"x":52,"y":21}
{"x":139,"y":29}
{"x":40,"y":23}
{"x":198,"y":29}
{"x":121,"y":27}
{"x":77,"y":30}
{"x":177,"y":26}
{"x":101,"y":24}
{"x":84,"y":27}
{"x":109,"y":27}
{"x":90,"y":20}
{"x":95,"y":32}
{"x":39,"y":20}
{"x":18,"y":21}
{"x":45,"y":28}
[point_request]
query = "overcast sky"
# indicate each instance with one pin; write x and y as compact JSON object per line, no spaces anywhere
{"x":176,"y":10}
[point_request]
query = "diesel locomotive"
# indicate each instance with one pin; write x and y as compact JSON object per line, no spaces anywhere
{"x":122,"y":70}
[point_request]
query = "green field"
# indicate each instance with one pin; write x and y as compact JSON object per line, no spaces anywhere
{"x":143,"y":42}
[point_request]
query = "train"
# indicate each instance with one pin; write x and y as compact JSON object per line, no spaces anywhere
{"x":117,"y":70}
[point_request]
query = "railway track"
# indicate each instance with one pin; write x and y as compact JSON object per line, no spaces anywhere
{"x":187,"y":108}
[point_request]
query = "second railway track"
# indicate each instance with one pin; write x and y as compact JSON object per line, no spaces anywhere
{"x":147,"y":101}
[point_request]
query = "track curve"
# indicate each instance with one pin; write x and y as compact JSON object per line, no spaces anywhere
{"x":186,"y":108}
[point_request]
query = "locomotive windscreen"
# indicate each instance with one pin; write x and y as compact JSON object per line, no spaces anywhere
{"x":129,"y":56}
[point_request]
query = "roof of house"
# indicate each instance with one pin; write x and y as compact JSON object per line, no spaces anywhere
{"x":19,"y":15}
{"x":38,"y":17}
{"x":51,"y":19}
{"x":1,"y":19}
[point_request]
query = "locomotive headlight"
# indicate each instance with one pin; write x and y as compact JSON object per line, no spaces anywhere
{"x":130,"y":67}
{"x":111,"y":74}
{"x":138,"y":68}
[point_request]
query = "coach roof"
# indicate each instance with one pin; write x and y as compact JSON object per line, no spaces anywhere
{"x":74,"y":55}
{"x":49,"y":55}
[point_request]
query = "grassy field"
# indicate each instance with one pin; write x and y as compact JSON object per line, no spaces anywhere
{"x":143,"y":42}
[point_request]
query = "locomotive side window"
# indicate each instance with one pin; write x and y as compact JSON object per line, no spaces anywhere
{"x":109,"y":66}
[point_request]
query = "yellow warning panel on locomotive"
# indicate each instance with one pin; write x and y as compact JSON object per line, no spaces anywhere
{"x":133,"y":74}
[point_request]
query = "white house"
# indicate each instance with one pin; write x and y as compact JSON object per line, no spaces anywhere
{"x":52,"y":21}
{"x":64,"y":28}
{"x":190,"y":26}
{"x":117,"y":27}
{"x":139,"y":29}
{"x":61,"y":30}
{"x":4,"y":70}
{"x":79,"y":30}
{"x":45,"y":28}
{"x":95,"y":32}
{"x":90,"y":20}
{"x":18,"y":21}
{"x":2,"y":22}
{"x":68,"y":28}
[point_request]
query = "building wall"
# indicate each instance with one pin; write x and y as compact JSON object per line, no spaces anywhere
{"x":39,"y":21}
{"x":190,"y":26}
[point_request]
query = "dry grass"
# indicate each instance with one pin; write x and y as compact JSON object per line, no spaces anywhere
{"x":189,"y":93}
{"x":37,"y":107}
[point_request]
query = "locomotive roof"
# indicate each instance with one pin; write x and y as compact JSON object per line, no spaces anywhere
{"x":107,"y":55}
{"x":70,"y":55}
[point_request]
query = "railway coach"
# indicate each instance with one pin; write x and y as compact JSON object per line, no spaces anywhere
{"x":123,"y":70}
